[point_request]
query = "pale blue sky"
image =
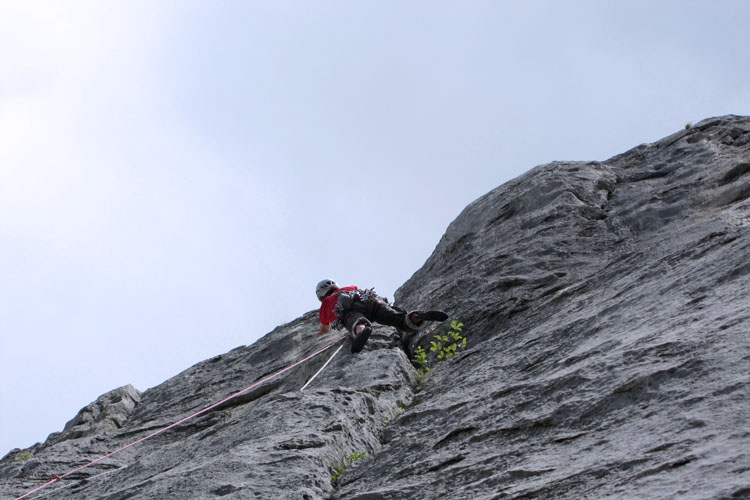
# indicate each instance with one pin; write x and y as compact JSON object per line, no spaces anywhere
{"x":176,"y":176}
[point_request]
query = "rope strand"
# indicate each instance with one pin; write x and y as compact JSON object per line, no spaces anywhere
{"x":57,"y":478}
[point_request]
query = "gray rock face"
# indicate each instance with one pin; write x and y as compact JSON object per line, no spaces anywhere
{"x":110,"y":411}
{"x":606,"y":307}
{"x":271,"y":442}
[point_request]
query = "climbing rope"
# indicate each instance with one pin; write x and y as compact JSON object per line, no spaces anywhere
{"x":56,"y":478}
{"x":74,"y":483}
{"x":321,"y":368}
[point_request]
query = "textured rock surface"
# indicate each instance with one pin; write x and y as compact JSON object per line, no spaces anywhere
{"x":272,"y":442}
{"x":606,"y":306}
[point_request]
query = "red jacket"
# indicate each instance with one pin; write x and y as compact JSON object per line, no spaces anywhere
{"x":327,"y":314}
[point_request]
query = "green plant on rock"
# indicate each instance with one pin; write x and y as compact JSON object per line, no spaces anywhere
{"x":444,"y":347}
{"x":357,"y":455}
{"x":23,"y":456}
{"x":447,"y":346}
{"x":420,"y":358}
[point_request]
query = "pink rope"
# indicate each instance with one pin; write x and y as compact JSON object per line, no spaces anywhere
{"x":156,"y":433}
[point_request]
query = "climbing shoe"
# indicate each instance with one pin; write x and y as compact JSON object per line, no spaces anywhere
{"x":430,"y":315}
{"x":360,"y":339}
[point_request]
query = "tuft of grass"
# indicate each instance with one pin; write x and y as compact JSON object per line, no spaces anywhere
{"x":23,"y":456}
{"x":357,"y":455}
{"x":337,"y":474}
{"x":688,"y":126}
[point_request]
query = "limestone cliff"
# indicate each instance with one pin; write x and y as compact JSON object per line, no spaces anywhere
{"x":606,"y":308}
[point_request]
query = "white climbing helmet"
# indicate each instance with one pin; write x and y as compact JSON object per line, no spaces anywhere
{"x":325,"y":286}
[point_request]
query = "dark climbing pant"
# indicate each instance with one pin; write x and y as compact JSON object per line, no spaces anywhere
{"x":356,"y":309}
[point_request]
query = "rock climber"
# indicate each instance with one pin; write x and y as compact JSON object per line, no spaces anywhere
{"x":354,"y":309}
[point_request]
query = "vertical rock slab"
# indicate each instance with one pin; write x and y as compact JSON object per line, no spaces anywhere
{"x":607,"y":308}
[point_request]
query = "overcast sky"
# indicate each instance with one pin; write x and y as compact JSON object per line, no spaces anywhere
{"x":176,"y":176}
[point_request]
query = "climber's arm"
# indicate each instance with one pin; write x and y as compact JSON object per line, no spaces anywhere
{"x":324,"y":329}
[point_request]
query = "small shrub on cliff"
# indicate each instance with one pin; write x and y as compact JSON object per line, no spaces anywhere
{"x":420,"y":358}
{"x":444,"y":347}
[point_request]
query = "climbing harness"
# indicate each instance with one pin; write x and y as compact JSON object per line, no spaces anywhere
{"x":367,"y":296}
{"x":56,"y":478}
